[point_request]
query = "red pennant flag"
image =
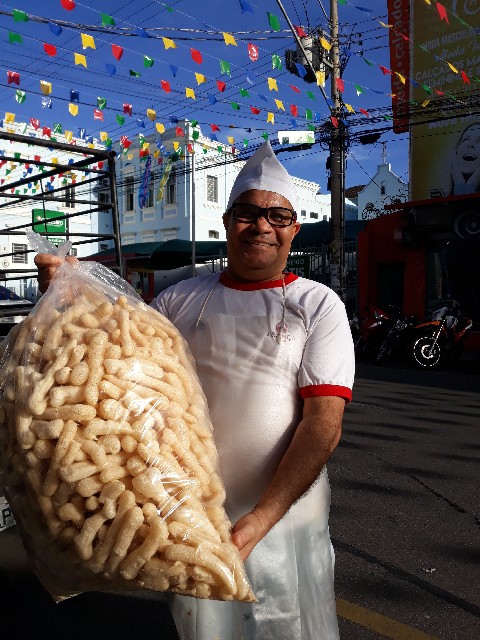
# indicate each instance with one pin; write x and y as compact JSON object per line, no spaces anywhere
{"x":68,"y":4}
{"x":97,"y":114}
{"x":252,"y":52}
{"x":37,"y":158}
{"x":215,"y":127}
{"x":50,"y":49}
{"x":334,"y":121}
{"x":442,"y":12}
{"x":385,"y":71}
{"x":439,"y":93}
{"x":300,"y":32}
{"x":221,"y":86}
{"x":127,"y":108}
{"x":190,"y":147}
{"x":196,"y":56}
{"x":117,"y":51}
{"x":465,"y":78}
{"x":255,"y":110}
{"x":46,"y":131}
{"x":13,"y":77}
{"x":340,"y":84}
{"x":100,"y":164}
{"x":406,"y":38}
{"x":125,"y":142}
{"x":36,"y":125}
{"x":294,"y":88}
{"x":165,"y":86}
{"x":179,"y":131}
{"x":365,"y":113}
{"x":143,"y":152}
{"x":294,"y":110}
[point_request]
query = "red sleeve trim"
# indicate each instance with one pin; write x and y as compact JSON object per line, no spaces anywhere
{"x":326,"y":390}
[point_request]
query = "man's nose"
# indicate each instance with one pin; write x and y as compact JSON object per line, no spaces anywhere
{"x":262,"y":223}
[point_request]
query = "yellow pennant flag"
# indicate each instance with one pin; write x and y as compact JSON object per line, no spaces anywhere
{"x":68,"y":135}
{"x":169,"y":44}
{"x":320,"y":76}
{"x":156,"y":153}
{"x":200,"y":78}
{"x":54,"y":160}
{"x":270,"y":117}
{"x":229,"y":39}
{"x":387,"y":26}
{"x":279,"y":104}
{"x":80,"y":59}
{"x":189,"y":93}
{"x":176,"y":144}
{"x":325,"y":44}
{"x":87,"y":41}
{"x":9,"y":118}
{"x":428,"y":1}
{"x":45,"y":87}
{"x":103,"y":136}
{"x":130,"y":156}
{"x":452,"y":67}
{"x":350,"y":108}
{"x":272,"y":84}
{"x":231,"y":140}
{"x":151,"y":114}
{"x":425,"y":102}
{"x":400,"y":77}
{"x":73,"y":108}
{"x":160,"y":127}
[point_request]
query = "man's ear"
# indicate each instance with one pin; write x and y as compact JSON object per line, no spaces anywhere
{"x":226,"y":220}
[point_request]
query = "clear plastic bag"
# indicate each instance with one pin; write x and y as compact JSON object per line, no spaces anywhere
{"x":108,"y":457}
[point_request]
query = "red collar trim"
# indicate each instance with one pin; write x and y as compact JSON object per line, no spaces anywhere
{"x":254,"y":286}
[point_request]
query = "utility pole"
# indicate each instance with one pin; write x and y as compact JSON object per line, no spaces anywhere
{"x":337,"y":168}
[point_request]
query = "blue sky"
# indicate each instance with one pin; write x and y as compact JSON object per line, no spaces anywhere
{"x":199,"y":26}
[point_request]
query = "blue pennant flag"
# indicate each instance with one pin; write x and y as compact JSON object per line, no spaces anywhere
{"x":82,"y":133}
{"x":56,"y":29}
{"x":111,"y":69}
{"x":140,"y":123}
{"x":212,"y":99}
{"x":264,"y":98}
{"x":47,"y":103}
{"x":246,"y":7}
{"x":174,"y":70}
{"x":140,"y":32}
{"x":74,"y":96}
{"x":302,"y":72}
{"x":173,"y":120}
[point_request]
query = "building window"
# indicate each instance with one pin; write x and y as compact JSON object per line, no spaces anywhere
{"x":148,"y":237}
{"x":169,"y":234}
{"x":74,"y":251}
{"x":303,"y":213}
{"x":314,"y":215}
{"x":148,"y":215}
{"x":171,"y":189}
{"x":103,"y":246}
{"x":151,"y":194}
{"x":70,"y":197}
{"x":104,"y":197}
{"x":128,"y":239}
{"x":212,"y":189}
{"x":213,"y":234}
{"x":19,"y":255}
{"x":383,"y":189}
{"x":129,"y":193}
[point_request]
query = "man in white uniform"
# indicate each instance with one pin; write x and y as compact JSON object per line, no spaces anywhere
{"x":275,"y":358}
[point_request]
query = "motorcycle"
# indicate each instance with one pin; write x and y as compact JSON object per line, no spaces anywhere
{"x":373,"y":330}
{"x":397,"y":336}
{"x":440,"y":338}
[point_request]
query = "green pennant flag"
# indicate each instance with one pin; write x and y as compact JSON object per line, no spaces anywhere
{"x":273,"y":21}
{"x":220,"y":149}
{"x":310,"y":95}
{"x":245,"y":142}
{"x":235,"y":106}
{"x":195,"y":135}
{"x":168,"y":8}
{"x":476,"y":79}
{"x":20,"y":96}
{"x":101,"y":103}
{"x":369,"y":62}
{"x":358,"y":89}
{"x":17,"y":155}
{"x":14,"y":37}
{"x":107,"y":21}
{"x":308,"y":114}
{"x":147,"y":61}
{"x":462,"y":22}
{"x":194,"y":123}
{"x":342,"y":2}
{"x":19,"y":16}
{"x":426,"y":88}
{"x":276,"y":61}
{"x":108,"y":142}
{"x":120,"y":119}
{"x":57,"y":128}
{"x":224,"y":67}
{"x":311,"y":127}
{"x":265,"y":135}
{"x":244,"y":93}
{"x":204,"y":149}
{"x":135,"y":74}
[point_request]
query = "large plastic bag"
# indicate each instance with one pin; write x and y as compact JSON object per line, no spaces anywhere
{"x":108,"y":458}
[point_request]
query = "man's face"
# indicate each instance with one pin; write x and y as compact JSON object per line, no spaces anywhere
{"x":257,"y":251}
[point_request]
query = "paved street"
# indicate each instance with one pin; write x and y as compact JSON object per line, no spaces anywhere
{"x":405,"y":525}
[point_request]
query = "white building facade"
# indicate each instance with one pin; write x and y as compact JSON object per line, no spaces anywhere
{"x":383,"y":189}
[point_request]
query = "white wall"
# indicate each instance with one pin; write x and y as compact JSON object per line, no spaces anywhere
{"x":384,"y":188}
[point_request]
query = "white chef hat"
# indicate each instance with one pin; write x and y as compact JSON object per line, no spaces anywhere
{"x":263,"y":172}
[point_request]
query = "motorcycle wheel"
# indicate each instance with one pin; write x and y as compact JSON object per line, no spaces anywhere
{"x":426,"y":354}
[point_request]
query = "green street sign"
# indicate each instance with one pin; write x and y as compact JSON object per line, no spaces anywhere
{"x":300,"y":265}
{"x":42,"y":221}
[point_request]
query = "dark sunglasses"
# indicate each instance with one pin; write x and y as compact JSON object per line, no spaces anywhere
{"x":250,"y":213}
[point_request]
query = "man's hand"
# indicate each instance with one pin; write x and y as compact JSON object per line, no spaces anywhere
{"x":248,"y":532}
{"x":47,"y":266}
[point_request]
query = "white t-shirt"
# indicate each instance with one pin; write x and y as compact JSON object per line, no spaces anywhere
{"x":259,"y":349}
